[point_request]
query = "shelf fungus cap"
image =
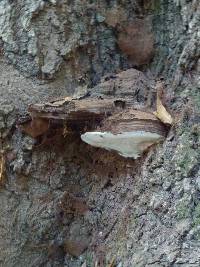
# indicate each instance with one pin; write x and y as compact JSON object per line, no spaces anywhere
{"x":129,"y":134}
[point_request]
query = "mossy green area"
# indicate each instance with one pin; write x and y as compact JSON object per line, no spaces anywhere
{"x":192,"y":94}
{"x":195,"y":95}
{"x":196,"y":215}
{"x":188,"y":149}
{"x":183,"y":209}
{"x":196,"y":222}
{"x":89,"y":259}
{"x":156,"y":6}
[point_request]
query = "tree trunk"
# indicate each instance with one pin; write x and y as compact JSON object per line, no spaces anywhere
{"x":64,"y":202}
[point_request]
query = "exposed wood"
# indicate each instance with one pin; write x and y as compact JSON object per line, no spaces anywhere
{"x":133,"y":120}
{"x":161,"y":113}
{"x":77,"y":109}
{"x":2,"y":168}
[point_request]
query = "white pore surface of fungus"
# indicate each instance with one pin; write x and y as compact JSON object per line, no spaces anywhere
{"x":127,"y":144}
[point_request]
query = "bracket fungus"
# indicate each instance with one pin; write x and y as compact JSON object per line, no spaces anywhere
{"x":126,"y":144}
{"x":108,"y":123}
{"x":129,"y":133}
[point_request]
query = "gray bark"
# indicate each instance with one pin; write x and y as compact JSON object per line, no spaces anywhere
{"x":64,"y":202}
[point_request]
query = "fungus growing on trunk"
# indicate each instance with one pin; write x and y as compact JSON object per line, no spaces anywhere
{"x":126,"y":144}
{"x":129,"y":133}
{"x":107,"y":123}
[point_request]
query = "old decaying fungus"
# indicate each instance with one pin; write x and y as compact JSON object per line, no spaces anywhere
{"x":129,"y":133}
{"x":107,"y":123}
{"x":76,"y":114}
{"x":136,"y":40}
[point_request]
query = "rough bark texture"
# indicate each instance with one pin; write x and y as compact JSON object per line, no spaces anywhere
{"x":64,"y":202}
